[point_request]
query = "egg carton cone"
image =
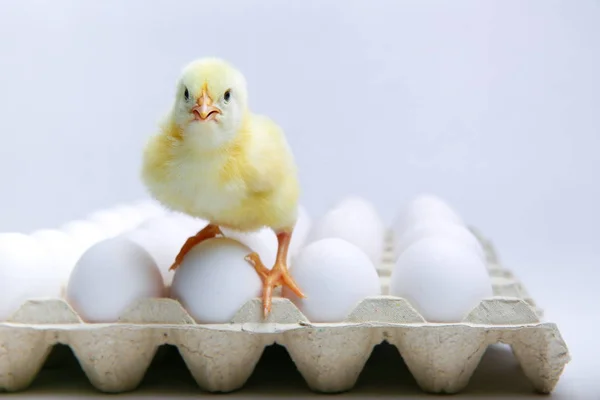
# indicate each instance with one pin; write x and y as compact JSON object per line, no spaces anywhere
{"x":330,"y":356}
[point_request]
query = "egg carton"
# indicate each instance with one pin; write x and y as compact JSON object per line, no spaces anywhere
{"x":330,"y":356}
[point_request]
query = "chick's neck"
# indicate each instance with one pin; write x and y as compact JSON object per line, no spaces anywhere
{"x":240,"y":137}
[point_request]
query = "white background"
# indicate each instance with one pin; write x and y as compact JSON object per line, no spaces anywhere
{"x":493,"y":105}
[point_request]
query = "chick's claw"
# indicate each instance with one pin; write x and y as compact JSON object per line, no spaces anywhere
{"x":254,"y":259}
{"x":208,"y":232}
{"x":278,"y":276}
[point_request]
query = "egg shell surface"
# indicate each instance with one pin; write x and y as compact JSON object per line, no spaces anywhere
{"x":354,"y":221}
{"x":335,"y":276}
{"x":424,"y":207}
{"x":84,"y":233}
{"x":442,"y":278}
{"x":109,"y":277}
{"x":162,"y":251}
{"x":112,"y":222}
{"x":214,"y":280}
{"x":263,"y":242}
{"x":23,"y":272}
{"x":149,"y":208}
{"x":62,"y":253}
{"x":130,"y":215}
{"x":301,"y":231}
{"x":443,"y":228}
{"x":168,"y":228}
{"x":188,"y":223}
{"x":162,"y":237}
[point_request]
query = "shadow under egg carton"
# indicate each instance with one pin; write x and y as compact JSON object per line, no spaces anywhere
{"x":330,"y":356}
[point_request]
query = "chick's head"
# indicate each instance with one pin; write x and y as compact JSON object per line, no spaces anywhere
{"x":210,"y":103}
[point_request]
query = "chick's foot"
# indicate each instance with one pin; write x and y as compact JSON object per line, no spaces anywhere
{"x":208,"y":232}
{"x":278,"y":276}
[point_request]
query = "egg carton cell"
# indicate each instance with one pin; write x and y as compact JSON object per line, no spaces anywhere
{"x":330,"y":356}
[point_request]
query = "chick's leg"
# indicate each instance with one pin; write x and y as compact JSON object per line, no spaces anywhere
{"x":278,"y":275}
{"x":208,"y":232}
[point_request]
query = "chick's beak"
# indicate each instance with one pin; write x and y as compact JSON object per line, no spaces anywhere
{"x":205,"y":110}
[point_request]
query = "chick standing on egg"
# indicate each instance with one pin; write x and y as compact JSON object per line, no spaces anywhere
{"x":214,"y":281}
{"x":216,"y":160}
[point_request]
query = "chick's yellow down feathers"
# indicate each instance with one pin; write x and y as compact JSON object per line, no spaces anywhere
{"x":214,"y":159}
{"x":246,"y":184}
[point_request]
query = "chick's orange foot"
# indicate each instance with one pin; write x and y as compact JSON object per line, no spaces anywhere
{"x":208,"y":232}
{"x":278,"y":276}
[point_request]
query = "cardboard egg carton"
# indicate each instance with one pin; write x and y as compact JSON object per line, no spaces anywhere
{"x":330,"y":356}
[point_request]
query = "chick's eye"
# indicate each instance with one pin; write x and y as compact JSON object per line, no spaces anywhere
{"x":186,"y":94}
{"x":227,"y":95}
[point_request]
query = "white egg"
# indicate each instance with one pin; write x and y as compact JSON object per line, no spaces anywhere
{"x":149,"y":208}
{"x":443,"y":228}
{"x":301,"y":231}
{"x":163,"y":237}
{"x":63,"y":253}
{"x":424,"y":207}
{"x":110,"y":221}
{"x":84,"y":234}
{"x":263,"y":242}
{"x":109,"y":277}
{"x":356,"y":221}
{"x":358,"y":203}
{"x":167,"y":228}
{"x":23,"y":272}
{"x":163,"y":250}
{"x":215,"y":281}
{"x":442,"y":278}
{"x":335,"y":276}
{"x":188,"y":223}
{"x":130,"y":215}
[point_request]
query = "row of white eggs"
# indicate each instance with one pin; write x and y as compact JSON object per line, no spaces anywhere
{"x":48,"y":263}
{"x":333,"y":262}
{"x":441,"y":271}
{"x":214,"y":280}
{"x":39,"y":264}
{"x":440,"y":265}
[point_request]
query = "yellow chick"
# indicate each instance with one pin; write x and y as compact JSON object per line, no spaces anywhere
{"x":214,"y":159}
